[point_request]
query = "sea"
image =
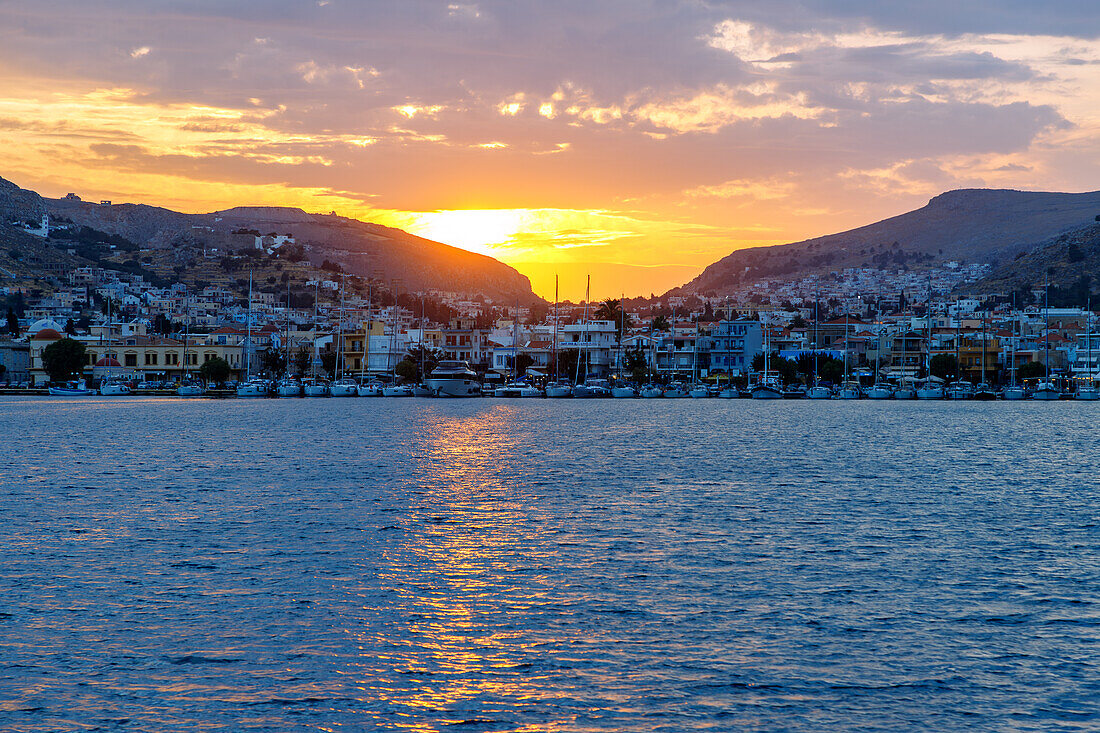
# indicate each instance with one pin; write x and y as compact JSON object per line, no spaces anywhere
{"x":548,"y":565}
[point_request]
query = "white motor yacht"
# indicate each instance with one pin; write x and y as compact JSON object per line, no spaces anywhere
{"x":559,"y":389}
{"x":453,"y":379}
{"x":624,"y":390}
{"x":1087,"y":392}
{"x":819,"y":392}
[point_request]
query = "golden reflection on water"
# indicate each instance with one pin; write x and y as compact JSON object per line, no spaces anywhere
{"x":449,"y":645}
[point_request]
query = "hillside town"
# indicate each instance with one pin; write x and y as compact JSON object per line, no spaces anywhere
{"x":162,"y":336}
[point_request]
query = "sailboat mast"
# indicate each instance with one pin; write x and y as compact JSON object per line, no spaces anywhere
{"x":248,"y":343}
{"x":554,"y":347}
{"x":1046,"y":335}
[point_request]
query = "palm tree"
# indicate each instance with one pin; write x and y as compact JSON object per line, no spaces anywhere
{"x":610,"y":310}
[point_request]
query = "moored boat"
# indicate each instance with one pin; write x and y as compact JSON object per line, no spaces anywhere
{"x":453,"y":379}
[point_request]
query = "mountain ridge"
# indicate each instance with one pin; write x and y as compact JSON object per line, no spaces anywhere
{"x":971,"y":225}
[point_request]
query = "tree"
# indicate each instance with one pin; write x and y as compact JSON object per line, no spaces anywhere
{"x":303,"y":358}
{"x":70,"y":327}
{"x":660,"y":323}
{"x":1031,"y":370}
{"x":567,"y":363}
{"x":328,"y":362}
{"x":63,"y":359}
{"x":273,"y":362}
{"x":215,"y":370}
{"x":635,"y":363}
{"x":798,"y":321}
{"x":944,"y":366}
{"x":13,"y":323}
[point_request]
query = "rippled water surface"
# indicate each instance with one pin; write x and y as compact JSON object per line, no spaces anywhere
{"x":365,"y":564}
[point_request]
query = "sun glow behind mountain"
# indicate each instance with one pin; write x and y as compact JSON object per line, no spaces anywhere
{"x":557,"y":139}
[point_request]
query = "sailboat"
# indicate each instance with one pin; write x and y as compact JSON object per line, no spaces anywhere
{"x":817,"y":391}
{"x":1088,"y":390}
{"x":315,"y":386}
{"x":557,"y":388}
{"x":698,"y":389}
{"x":984,"y":391}
{"x":1046,"y":390}
{"x":393,"y":389}
{"x":188,"y":387}
{"x":585,"y":387}
{"x":767,"y":388}
{"x":112,"y":387}
{"x":879,"y":390}
{"x":848,"y":390}
{"x":960,"y":389}
{"x":929,"y":390}
{"x":251,"y":387}
{"x":344,"y":386}
{"x":288,"y":386}
{"x":368,"y":388}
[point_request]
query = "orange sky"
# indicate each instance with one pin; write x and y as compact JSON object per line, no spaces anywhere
{"x":633,"y":142}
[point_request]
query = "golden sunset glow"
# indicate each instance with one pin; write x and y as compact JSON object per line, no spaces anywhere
{"x":634,"y":167}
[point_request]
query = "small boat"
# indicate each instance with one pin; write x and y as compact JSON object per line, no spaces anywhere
{"x":253,"y":388}
{"x":1087,"y":392}
{"x":592,"y":388}
{"x":191,"y":389}
{"x":767,"y":390}
{"x":651,"y":391}
{"x":1046,"y":391}
{"x":930,"y":391}
{"x":905,"y":391}
{"x":698,"y":391}
{"x":624,"y":390}
{"x":344,"y":388}
{"x":729,"y":393}
{"x":114,"y":389}
{"x":397,"y":390}
{"x":315,"y":389}
{"x":677,"y":390}
{"x":984,"y":392}
{"x":819,"y":392}
{"x":419,"y":390}
{"x":559,"y":389}
{"x":1014,"y":392}
{"x":518,"y":389}
{"x":369,"y":389}
{"x":849,"y":391}
{"x":880,"y":392}
{"x":71,"y":389}
{"x":289,"y":388}
{"x":794,"y":392}
{"x":960,"y":390}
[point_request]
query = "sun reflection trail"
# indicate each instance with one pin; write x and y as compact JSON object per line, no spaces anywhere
{"x":450,"y":645}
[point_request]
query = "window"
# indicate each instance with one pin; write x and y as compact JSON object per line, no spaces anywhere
{"x":131,"y":360}
{"x":150,"y":358}
{"x":171,"y":358}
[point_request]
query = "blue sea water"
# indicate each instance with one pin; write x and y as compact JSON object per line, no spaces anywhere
{"x":539,"y":565}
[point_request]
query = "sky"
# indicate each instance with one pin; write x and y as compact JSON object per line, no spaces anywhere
{"x":627,"y":140}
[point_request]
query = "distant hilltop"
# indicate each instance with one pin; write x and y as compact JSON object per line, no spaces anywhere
{"x":981,"y":226}
{"x":361,"y":248}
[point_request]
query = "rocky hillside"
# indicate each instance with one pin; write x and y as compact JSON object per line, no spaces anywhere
{"x":359,"y":247}
{"x":971,"y":225}
{"x":1071,"y":262}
